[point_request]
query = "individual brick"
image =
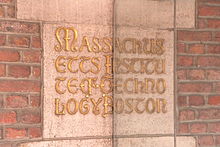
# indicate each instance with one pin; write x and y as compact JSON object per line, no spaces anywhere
{"x":214,"y":100}
{"x":36,"y":42}
{"x":2,"y":11}
{"x":19,"y":41}
{"x":36,"y":72}
{"x":2,"y":40}
{"x":206,"y":140}
{"x":19,"y":27}
{"x":10,"y":11}
{"x":5,"y":145}
{"x":8,"y":117}
{"x":6,"y":1}
{"x":16,"y":101}
{"x":182,"y":101}
{"x":194,"y":87}
{"x":181,"y":74}
{"x":184,"y":128}
{"x":29,"y":117}
{"x":198,"y":128}
{"x":32,"y":56}
{"x":214,"y":127}
{"x":213,"y":74}
{"x":217,"y":140}
{"x":202,"y":23}
{"x":196,"y":49}
{"x":209,"y":11}
{"x":9,"y":55}
{"x":213,"y":49}
{"x":15,"y":133}
{"x":196,"y":100}
{"x":35,"y":101}
{"x":194,"y":36}
{"x":213,"y":23}
{"x":185,"y":61}
{"x":35,"y":132}
{"x":181,"y":47}
{"x":19,"y":71}
{"x":209,"y":1}
{"x":196,"y":74}
{"x":186,"y":115}
{"x":217,"y":87}
{"x":217,"y":36}
{"x":2,"y":70}
{"x":209,"y":114}
{"x":19,"y":86}
{"x":209,"y":61}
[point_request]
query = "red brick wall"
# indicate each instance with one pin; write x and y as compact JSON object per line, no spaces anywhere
{"x":20,"y":77}
{"x":198,"y":74}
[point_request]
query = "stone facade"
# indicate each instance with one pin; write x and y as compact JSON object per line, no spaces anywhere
{"x":27,"y":32}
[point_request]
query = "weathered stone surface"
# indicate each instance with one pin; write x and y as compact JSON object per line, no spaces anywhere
{"x":156,"y":142}
{"x":145,"y":13}
{"x":185,"y":13}
{"x":78,"y":124}
{"x":70,"y":143}
{"x":77,"y":11}
{"x":182,"y":141}
{"x":143,"y":142}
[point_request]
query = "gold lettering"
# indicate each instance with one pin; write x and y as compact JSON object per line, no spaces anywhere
{"x":70,"y":64}
{"x":86,"y":107}
{"x":164,"y":109}
{"x":106,"y":105}
{"x":58,"y":63}
{"x":153,"y":105}
{"x":85,"y":43}
{"x":126,"y":86}
{"x":58,"y":47}
{"x":108,"y":63}
{"x":118,"y":85}
{"x":129,"y":105}
{"x":163,"y":86}
{"x":57,"y":85}
{"x":69,"y":85}
{"x":97,"y":47}
{"x":57,"y":110}
{"x":97,"y":65}
{"x":104,"y":80}
{"x":82,"y":69}
{"x":95,"y":109}
{"x":72,"y":100}
{"x":107,"y":42}
{"x":147,"y":81}
{"x":136,"y":107}
{"x":87,"y":90}
{"x":119,"y":106}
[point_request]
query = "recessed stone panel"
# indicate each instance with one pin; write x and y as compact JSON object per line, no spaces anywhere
{"x":74,"y":75}
{"x":144,"y":73}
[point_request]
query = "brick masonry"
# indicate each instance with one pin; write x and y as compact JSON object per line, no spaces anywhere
{"x":20,"y":78}
{"x":198,"y":74}
{"x":197,"y":71}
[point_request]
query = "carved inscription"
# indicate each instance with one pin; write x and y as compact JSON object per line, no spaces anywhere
{"x":68,"y":41}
